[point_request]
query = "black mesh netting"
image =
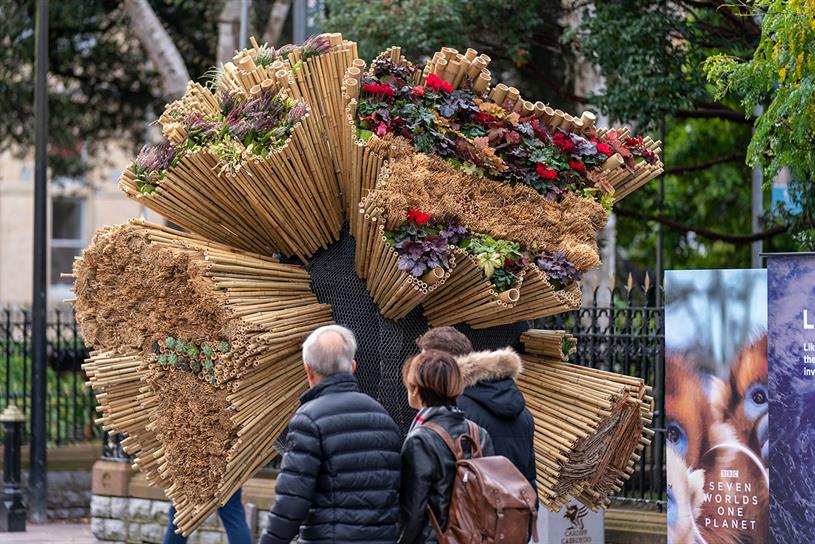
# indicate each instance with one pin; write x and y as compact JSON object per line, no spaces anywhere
{"x":383,"y":344}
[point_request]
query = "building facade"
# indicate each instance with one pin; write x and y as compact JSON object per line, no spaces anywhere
{"x":76,"y":209}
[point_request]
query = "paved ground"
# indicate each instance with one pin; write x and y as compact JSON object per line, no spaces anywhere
{"x":74,"y":533}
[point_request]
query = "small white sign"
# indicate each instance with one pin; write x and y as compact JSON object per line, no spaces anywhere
{"x":574,"y":524}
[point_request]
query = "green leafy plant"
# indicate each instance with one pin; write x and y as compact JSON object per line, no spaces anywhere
{"x":500,"y":260}
{"x":780,"y":78}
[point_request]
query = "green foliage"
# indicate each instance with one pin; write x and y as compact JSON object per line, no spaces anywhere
{"x":780,"y":77}
{"x":716,"y":198}
{"x":652,"y":55}
{"x":99,"y":86}
{"x":521,"y":37}
{"x":646,"y":77}
{"x":497,"y":258}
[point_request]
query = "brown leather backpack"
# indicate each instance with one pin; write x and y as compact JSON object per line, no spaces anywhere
{"x":492,"y":502}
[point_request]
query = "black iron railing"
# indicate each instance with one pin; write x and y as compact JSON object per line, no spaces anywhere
{"x":622,"y":330}
{"x":70,"y":406}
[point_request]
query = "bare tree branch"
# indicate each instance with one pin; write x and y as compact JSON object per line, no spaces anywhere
{"x":735,"y":239}
{"x":158,"y":44}
{"x":277,"y":18}
{"x":678,"y":170}
{"x":714,"y":114}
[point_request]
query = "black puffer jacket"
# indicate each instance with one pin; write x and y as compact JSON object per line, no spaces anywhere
{"x":492,"y":400}
{"x":339,"y":479}
{"x":428,"y":471}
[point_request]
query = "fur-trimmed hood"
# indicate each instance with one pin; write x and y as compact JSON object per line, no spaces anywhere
{"x":489,"y":365}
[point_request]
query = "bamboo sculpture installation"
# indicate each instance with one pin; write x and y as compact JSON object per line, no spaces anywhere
{"x":197,"y":336}
{"x":538,"y":298}
{"x":590,"y":425}
{"x":468,"y":295}
{"x":184,"y":326}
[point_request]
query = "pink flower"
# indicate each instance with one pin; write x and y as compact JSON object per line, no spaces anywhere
{"x":418,"y":90}
{"x":438,"y":84}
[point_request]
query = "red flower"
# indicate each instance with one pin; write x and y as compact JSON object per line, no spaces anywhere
{"x":418,"y":90}
{"x":545,"y":172}
{"x":483,"y":118}
{"x":378,"y":88}
{"x":419,"y":217}
{"x":577,"y":166}
{"x":563,"y":142}
{"x":605,"y":149}
{"x":438,"y":84}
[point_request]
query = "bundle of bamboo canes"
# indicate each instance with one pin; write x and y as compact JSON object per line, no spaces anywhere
{"x":207,"y":331}
{"x":538,"y":298}
{"x":285,"y":202}
{"x":365,"y":169}
{"x":452,"y":67}
{"x":590,"y":425}
{"x":468,"y":296}
{"x":316,"y":78}
{"x":627,"y":180}
{"x":396,"y":292}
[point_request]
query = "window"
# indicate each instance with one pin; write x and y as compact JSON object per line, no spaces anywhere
{"x":67,"y":235}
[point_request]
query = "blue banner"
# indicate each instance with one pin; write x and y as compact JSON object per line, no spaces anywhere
{"x":791,"y":297}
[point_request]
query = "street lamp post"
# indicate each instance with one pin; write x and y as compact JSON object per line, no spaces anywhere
{"x":37,"y":476}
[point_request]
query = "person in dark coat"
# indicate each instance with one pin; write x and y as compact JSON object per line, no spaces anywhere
{"x":433,"y":382}
{"x":491,"y":398}
{"x":339,"y":478}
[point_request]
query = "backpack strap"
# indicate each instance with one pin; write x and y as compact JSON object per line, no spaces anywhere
{"x":473,"y":434}
{"x":455,"y":447}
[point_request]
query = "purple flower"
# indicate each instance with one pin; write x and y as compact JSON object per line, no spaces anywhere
{"x":156,"y":157}
{"x":316,"y":45}
{"x":418,"y":256}
{"x":229,"y":101}
{"x":199,"y":129}
{"x":297,"y":112}
{"x":558,"y":268}
{"x":453,"y":233}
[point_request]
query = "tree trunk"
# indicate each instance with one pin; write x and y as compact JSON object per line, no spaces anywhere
{"x":158,"y":44}
{"x":229,"y":25}
{"x":277,"y":18}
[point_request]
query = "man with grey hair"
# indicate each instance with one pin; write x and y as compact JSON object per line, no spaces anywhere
{"x":339,"y":478}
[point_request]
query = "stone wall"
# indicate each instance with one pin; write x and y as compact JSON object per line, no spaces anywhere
{"x":69,"y":493}
{"x":132,"y":520}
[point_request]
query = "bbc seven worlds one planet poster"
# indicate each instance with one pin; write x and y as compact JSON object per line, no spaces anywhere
{"x":717,"y":407}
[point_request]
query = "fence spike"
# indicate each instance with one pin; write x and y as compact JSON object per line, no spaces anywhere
{"x":630,"y":283}
{"x":647,"y":283}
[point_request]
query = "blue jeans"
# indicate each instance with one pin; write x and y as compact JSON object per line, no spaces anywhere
{"x":232,"y":516}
